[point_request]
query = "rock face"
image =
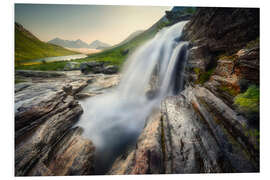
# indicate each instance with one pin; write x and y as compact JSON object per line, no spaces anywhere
{"x":100,"y":83}
{"x":45,"y":111}
{"x":194,"y":132}
{"x":223,"y":29}
{"x":147,"y":157}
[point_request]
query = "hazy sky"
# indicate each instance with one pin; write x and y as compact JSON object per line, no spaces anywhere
{"x":110,"y":24}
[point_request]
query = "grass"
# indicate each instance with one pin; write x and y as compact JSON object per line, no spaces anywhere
{"x":50,"y":66}
{"x":114,"y":56}
{"x":28,"y":48}
{"x":249,"y":100}
{"x":117,"y":54}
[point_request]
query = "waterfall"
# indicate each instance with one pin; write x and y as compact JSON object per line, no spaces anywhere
{"x":114,"y":120}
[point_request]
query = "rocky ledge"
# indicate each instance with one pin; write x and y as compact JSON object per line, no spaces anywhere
{"x":194,"y":132}
{"x":45,"y":111}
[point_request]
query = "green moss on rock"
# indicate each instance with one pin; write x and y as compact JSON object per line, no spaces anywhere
{"x":249,"y":100}
{"x":203,"y":76}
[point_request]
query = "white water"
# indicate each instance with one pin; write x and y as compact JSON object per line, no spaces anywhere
{"x":114,"y":120}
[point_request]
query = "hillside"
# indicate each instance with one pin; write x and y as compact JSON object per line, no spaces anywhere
{"x":28,"y":46}
{"x":117,"y":54}
{"x":130,"y":37}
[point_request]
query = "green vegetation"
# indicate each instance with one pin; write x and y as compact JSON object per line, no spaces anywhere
{"x":117,"y":54}
{"x":253,"y":43}
{"x":190,"y":10}
{"x":18,"y":81}
{"x":249,"y":100}
{"x":230,"y":90}
{"x":49,"y":66}
{"x":28,"y":47}
{"x":255,"y":133}
{"x":203,"y":76}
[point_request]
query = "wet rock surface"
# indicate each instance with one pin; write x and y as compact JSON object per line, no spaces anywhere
{"x":147,"y":156}
{"x":45,"y":112}
{"x":194,"y":132}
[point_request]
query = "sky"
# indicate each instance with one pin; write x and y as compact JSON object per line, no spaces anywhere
{"x":109,"y":24}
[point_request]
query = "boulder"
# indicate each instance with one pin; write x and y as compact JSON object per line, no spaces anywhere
{"x":72,"y":66}
{"x":97,"y":67}
{"x":110,"y":69}
{"x":93,"y":66}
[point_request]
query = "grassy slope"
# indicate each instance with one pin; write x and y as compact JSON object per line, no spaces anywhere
{"x":27,"y":47}
{"x":116,"y":55}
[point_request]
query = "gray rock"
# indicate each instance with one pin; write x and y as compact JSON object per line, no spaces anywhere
{"x":45,"y":111}
{"x":92,"y":66}
{"x":195,"y":132}
{"x":72,"y":155}
{"x":72,"y":66}
{"x":41,"y":74}
{"x":97,"y":67}
{"x":110,"y":69}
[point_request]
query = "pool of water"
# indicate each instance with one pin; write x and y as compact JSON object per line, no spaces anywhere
{"x":59,"y":58}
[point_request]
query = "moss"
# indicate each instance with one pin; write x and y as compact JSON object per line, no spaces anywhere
{"x":253,"y":43}
{"x":18,"y":81}
{"x":229,"y":90}
{"x":228,"y":132}
{"x":197,"y":70}
{"x":249,"y":100}
{"x":255,"y":134}
{"x":203,"y":76}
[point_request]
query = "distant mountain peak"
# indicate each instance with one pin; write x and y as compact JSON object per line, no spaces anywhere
{"x":78,"y":43}
{"x":98,"y":45}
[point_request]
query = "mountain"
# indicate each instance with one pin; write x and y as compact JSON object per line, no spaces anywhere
{"x":98,"y":45}
{"x":68,"y":43}
{"x":28,"y":46}
{"x":79,"y":44}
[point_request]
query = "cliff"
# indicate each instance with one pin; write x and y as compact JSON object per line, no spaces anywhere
{"x":212,"y":126}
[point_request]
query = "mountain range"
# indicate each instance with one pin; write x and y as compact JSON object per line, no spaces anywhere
{"x":28,"y":46}
{"x":79,"y":44}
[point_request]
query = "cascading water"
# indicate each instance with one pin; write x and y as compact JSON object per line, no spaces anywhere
{"x":114,"y":120}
